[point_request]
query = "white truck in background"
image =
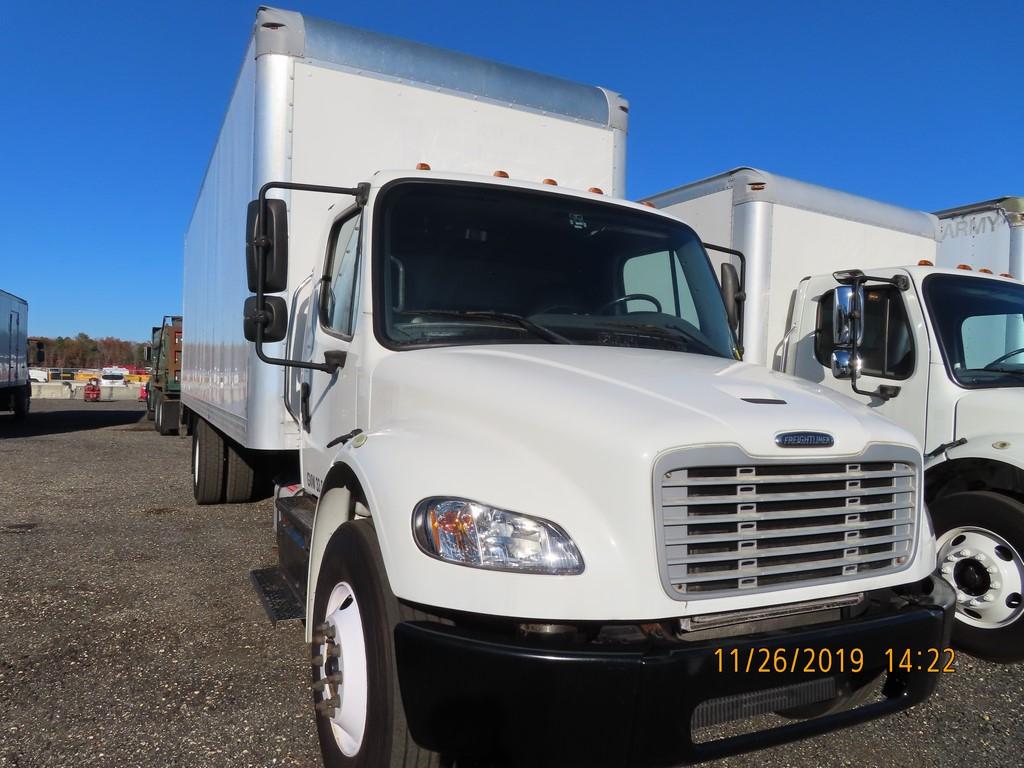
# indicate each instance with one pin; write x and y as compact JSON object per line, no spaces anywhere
{"x":535,"y":513}
{"x":988,"y":235}
{"x":15,"y":382}
{"x":939,"y":351}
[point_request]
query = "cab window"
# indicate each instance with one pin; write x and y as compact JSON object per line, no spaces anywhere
{"x":338,"y":300}
{"x":887,"y":351}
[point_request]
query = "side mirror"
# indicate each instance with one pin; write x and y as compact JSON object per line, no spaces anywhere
{"x":844,"y":364}
{"x":274,"y":320}
{"x":847,"y":307}
{"x":40,"y":352}
{"x":275,"y":270}
{"x":732,"y":294}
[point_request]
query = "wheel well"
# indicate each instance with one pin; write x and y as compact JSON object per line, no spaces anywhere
{"x":973,"y":475}
{"x":341,"y":475}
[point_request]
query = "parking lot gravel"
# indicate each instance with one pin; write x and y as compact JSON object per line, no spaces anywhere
{"x":131,"y":635}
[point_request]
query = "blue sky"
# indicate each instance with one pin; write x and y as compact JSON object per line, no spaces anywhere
{"x":112,"y":108}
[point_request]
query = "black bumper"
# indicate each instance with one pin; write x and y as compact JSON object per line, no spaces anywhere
{"x":514,"y":703}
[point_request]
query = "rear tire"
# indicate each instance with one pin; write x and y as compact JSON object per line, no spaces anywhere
{"x":22,"y":397}
{"x":208,"y":462}
{"x":369,"y":727}
{"x":989,"y":578}
{"x":240,"y":484}
{"x":166,"y":421}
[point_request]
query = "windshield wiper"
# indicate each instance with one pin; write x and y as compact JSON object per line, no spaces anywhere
{"x":537,"y":330}
{"x":665,"y":331}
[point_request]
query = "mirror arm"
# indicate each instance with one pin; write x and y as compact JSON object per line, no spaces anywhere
{"x":361,"y":193}
{"x":741,"y":295}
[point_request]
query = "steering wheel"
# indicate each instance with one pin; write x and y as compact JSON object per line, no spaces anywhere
{"x":573,"y":310}
{"x":629,"y":297}
{"x":1004,"y":357}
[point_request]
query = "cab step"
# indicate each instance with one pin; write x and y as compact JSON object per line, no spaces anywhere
{"x":278,"y":598}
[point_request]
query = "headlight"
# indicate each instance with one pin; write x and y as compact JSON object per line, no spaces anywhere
{"x":464,"y":532}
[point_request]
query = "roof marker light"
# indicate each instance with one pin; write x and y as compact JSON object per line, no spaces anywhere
{"x":963,"y":266}
{"x":648,"y":203}
{"x":986,"y":270}
{"x":552,"y":182}
{"x":422,"y":166}
{"x":596,"y":190}
{"x":1006,"y":274}
{"x":925,"y":263}
{"x":501,"y":174}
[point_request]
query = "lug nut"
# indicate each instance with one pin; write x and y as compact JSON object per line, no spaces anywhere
{"x":947,"y":569}
{"x":328,"y":706}
{"x":327,"y":629}
{"x":964,"y":553}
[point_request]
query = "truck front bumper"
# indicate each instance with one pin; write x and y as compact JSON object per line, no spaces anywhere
{"x":517,"y":703}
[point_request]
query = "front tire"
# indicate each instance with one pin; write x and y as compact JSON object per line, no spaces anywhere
{"x":360,"y":720}
{"x":207,"y":464}
{"x":980,"y":543}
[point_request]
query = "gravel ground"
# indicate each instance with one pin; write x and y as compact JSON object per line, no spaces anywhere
{"x":131,"y":636}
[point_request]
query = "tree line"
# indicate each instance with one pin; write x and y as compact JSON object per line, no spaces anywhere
{"x":83,"y":351}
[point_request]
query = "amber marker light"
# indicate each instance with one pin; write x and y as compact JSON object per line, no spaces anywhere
{"x":986,"y":270}
{"x":501,"y":174}
{"x":422,"y":166}
{"x":925,"y":263}
{"x":964,"y":266}
{"x":551,"y":182}
{"x":596,"y":190}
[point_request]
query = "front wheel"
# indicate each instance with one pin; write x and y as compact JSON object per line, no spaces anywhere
{"x":980,"y":540}
{"x":360,"y":720}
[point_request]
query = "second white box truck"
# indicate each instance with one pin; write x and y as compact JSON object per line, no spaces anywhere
{"x":539,"y":513}
{"x":15,"y":382}
{"x":940,"y":352}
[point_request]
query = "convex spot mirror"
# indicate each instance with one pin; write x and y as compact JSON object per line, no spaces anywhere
{"x":275,"y":327}
{"x":275,"y":270}
{"x":847,"y":315}
{"x":844,"y":364}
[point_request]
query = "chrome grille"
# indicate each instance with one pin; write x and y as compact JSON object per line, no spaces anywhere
{"x":750,"y":526}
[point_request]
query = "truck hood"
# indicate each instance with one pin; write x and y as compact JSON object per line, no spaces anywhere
{"x":644,"y":401}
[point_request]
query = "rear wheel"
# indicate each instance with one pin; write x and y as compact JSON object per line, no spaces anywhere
{"x":208,"y":462}
{"x":360,"y":720}
{"x":240,"y":483}
{"x":166,"y":421}
{"x":22,"y":397}
{"x":980,"y":541}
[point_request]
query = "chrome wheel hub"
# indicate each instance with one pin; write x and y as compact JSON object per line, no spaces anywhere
{"x":987,"y":574}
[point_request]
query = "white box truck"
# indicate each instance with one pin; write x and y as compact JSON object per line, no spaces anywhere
{"x":988,"y":235}
{"x":940,"y":352}
{"x":539,"y":513}
{"x":15,"y":383}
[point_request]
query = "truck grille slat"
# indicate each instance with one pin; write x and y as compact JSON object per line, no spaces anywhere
{"x":671,"y":482}
{"x":774,"y":570}
{"x":770,"y":552}
{"x":753,"y":534}
{"x":733,"y":528}
{"x":674,"y":499}
{"x":786,"y":514}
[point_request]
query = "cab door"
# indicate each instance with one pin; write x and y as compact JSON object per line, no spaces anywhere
{"x":327,"y":401}
{"x":894,"y":352}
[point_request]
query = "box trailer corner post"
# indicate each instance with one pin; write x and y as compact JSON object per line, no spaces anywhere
{"x":500,"y":442}
{"x":15,"y":384}
{"x":942,"y":351}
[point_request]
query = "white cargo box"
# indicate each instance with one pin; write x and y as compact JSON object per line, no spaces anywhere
{"x":321,"y":103}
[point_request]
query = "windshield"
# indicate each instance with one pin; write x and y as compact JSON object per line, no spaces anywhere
{"x":472,"y":264}
{"x":980,"y":327}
